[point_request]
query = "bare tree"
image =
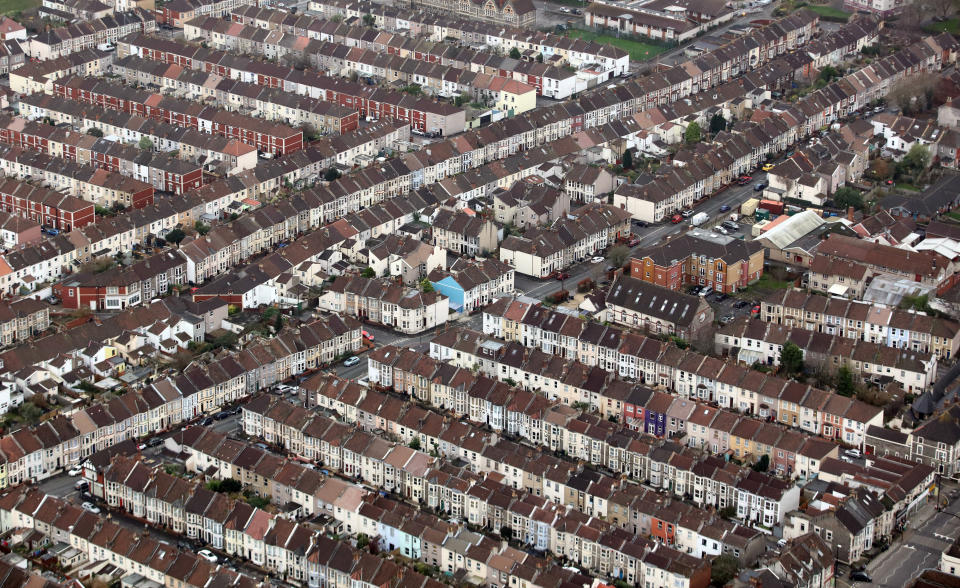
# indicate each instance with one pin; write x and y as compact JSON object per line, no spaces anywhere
{"x":915,"y":93}
{"x":941,"y":8}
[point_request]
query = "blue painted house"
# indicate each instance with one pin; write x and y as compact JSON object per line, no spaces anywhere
{"x":449,"y":287}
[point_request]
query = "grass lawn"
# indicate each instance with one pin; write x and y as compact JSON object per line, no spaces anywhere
{"x":638,"y":50}
{"x":951,"y":25}
{"x":828,"y":12}
{"x":954,"y":215}
{"x":765,"y":285}
{"x":909,"y":187}
{"x":11,"y":6}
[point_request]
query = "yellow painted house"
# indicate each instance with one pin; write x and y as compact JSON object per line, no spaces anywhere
{"x":511,"y":96}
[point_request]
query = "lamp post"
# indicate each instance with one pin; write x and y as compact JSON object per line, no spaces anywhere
{"x":836,"y":564}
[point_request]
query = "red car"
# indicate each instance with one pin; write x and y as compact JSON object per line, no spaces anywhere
{"x":676,"y":219}
{"x":366,"y":335}
{"x":633,"y":242}
{"x":756,"y":310}
{"x":559,"y":275}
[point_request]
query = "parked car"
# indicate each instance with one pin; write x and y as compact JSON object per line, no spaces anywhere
{"x":154,"y":441}
{"x":721,"y":297}
{"x":208,"y":555}
{"x":686,"y":213}
{"x":221,"y":415}
{"x":760,"y":187}
{"x":351,"y":361}
{"x":597,"y":259}
{"x":366,"y":335}
{"x":755,"y":310}
{"x":730,"y":226}
{"x":90,"y":507}
{"x":75,"y":470}
{"x":564,"y":10}
{"x":206,"y":422}
{"x":721,"y":230}
{"x":853,"y":452}
{"x":558,"y":275}
{"x":727,"y":318}
{"x":725,"y":208}
{"x":767,"y":167}
{"x":676,"y":219}
{"x":861,"y":576}
{"x":81,"y":485}
{"x":742,"y":304}
{"x":694,"y":289}
{"x":633,"y":242}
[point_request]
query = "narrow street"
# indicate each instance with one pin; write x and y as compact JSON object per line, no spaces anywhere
{"x":925,"y":539}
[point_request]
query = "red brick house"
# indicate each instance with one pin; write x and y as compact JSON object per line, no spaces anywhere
{"x":45,"y":206}
{"x":132,"y":286}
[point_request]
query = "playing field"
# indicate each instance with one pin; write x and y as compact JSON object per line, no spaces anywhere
{"x":638,"y":50}
{"x":11,"y":6}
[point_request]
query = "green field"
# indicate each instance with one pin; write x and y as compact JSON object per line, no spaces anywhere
{"x":11,"y":6}
{"x":951,"y":25}
{"x":638,"y":50}
{"x":827,"y":12}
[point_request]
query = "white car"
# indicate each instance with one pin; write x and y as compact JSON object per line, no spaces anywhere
{"x":564,"y":9}
{"x":90,"y":507}
{"x":597,"y":259}
{"x":853,"y":452}
{"x":207,"y":555}
{"x":75,"y":470}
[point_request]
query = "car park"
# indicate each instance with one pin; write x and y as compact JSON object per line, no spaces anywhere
{"x":351,"y":361}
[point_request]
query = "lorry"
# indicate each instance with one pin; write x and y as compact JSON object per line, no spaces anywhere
{"x":699,"y":218}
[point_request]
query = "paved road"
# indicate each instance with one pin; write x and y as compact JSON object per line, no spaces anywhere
{"x":919,"y":549}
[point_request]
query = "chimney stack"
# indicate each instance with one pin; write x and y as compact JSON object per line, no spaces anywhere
{"x":850,"y":213}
